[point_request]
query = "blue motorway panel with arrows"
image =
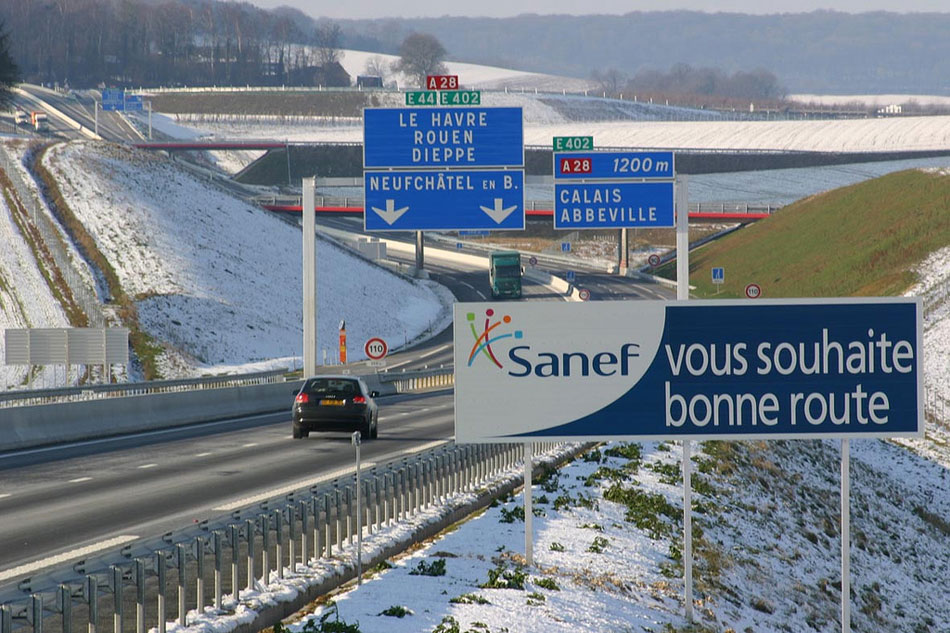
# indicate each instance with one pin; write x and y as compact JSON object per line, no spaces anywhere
{"x":429,"y":200}
{"x":443,"y":138}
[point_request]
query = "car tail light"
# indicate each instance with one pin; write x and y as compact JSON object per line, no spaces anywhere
{"x":302,"y":397}
{"x":359,"y":400}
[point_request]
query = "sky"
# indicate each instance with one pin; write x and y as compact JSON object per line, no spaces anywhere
{"x":505,"y":8}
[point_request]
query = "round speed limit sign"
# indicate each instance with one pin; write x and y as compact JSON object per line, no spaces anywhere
{"x":753,"y":291}
{"x":584,"y":294}
{"x":376,"y":348}
{"x":654,"y":260}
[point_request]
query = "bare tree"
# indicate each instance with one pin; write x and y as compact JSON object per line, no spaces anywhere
{"x":9,"y":73}
{"x":420,"y":55}
{"x":611,"y":80}
{"x":329,"y":38}
{"x":376,"y":66}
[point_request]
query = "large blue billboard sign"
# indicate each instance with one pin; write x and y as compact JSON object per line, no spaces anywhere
{"x":443,"y":201}
{"x":113,"y":99}
{"x":613,"y":205}
{"x":443,"y":138}
{"x":688,"y":370}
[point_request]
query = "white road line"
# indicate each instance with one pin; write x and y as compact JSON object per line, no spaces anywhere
{"x":4,"y":495}
{"x":144,"y":466}
{"x":202,"y":454}
{"x":420,"y":357}
{"x":79,"y":480}
{"x":304,"y":483}
{"x":249,"y":445}
{"x":65,"y":556}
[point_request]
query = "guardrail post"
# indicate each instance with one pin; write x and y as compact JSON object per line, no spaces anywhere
{"x":235,"y":536}
{"x":92,"y":599}
{"x":279,"y":552}
{"x":200,"y":570}
{"x":265,"y":549}
{"x":160,"y":564}
{"x":182,"y":589}
{"x":292,"y":537}
{"x":379,"y":492}
{"x":400,"y":509}
{"x":413,"y":473}
{"x":6,"y":619}
{"x":139,"y":595}
{"x":218,"y":560}
{"x":249,"y":533}
{"x":116,"y":599}
{"x":36,"y":604}
{"x":304,"y":535}
{"x":66,"y":604}
{"x":349,"y":515}
{"x":338,"y":510}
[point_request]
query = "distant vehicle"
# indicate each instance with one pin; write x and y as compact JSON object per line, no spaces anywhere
{"x":369,"y":81}
{"x":40,"y":121}
{"x":504,"y":274}
{"x":335,"y":403}
{"x":20,"y":117}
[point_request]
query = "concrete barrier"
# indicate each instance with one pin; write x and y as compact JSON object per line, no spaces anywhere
{"x":40,"y":425}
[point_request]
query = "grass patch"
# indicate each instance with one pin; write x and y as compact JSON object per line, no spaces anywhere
{"x":469,"y":598}
{"x":503,"y":578}
{"x":396,"y":611}
{"x":862,"y":240}
{"x":424,"y":568}
{"x":648,"y":511}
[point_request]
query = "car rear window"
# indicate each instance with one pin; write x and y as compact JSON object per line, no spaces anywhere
{"x":335,"y":386}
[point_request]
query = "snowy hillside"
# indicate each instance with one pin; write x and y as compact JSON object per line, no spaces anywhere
{"x":218,"y":281}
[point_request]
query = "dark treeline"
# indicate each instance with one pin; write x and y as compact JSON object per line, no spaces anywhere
{"x":683,"y":79}
{"x":86,"y":43}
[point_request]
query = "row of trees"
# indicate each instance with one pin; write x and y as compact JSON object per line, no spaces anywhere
{"x":684,"y":82}
{"x":134,"y":42}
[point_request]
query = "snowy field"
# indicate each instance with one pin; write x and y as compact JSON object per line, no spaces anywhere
{"x":216,"y":281}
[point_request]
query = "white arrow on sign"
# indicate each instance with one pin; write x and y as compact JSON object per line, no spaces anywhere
{"x":390,"y":214}
{"x":498,"y":213}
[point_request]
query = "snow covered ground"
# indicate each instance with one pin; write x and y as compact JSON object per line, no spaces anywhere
{"x":215,"y":280}
{"x":607,"y":543}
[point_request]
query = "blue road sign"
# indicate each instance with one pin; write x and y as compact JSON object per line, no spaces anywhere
{"x":793,"y":368}
{"x":133,"y":103}
{"x":113,"y":99}
{"x":718,"y":275}
{"x":443,"y":137}
{"x":613,"y":205}
{"x":565,"y":247}
{"x":570,"y":276}
{"x":443,"y":200}
{"x":625,"y":165}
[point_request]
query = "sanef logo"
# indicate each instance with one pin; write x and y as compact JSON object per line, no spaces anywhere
{"x":483,"y":341}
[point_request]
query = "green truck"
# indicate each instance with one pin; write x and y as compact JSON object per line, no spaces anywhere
{"x":504,"y":274}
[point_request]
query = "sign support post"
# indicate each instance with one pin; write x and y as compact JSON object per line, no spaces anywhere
{"x":845,"y":535}
{"x":681,"y":192}
{"x":420,"y":253}
{"x":309,"y":280}
{"x":528,"y":506}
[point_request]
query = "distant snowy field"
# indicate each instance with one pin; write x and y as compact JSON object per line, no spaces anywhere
{"x":218,"y":281}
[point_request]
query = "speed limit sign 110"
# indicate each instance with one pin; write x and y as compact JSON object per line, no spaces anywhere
{"x":753,"y":291}
{"x":376,"y":348}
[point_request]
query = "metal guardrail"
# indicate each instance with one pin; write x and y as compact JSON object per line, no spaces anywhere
{"x":217,"y":565}
{"x":93,"y":392}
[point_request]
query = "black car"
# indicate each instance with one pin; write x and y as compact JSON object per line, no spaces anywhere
{"x":335,"y":403}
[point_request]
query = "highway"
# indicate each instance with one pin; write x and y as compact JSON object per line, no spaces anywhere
{"x":97,"y":495}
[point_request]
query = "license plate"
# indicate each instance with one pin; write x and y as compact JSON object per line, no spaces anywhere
{"x":332,"y":403}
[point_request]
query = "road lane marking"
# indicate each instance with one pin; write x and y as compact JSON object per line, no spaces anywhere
{"x":65,"y":556}
{"x":144,"y":466}
{"x":249,"y":445}
{"x":283,"y":490}
{"x":4,"y":495}
{"x":202,"y":454}
{"x":79,"y":480}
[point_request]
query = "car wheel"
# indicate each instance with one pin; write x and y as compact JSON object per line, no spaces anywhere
{"x":375,"y":431}
{"x":366,"y":429}
{"x":299,"y":432}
